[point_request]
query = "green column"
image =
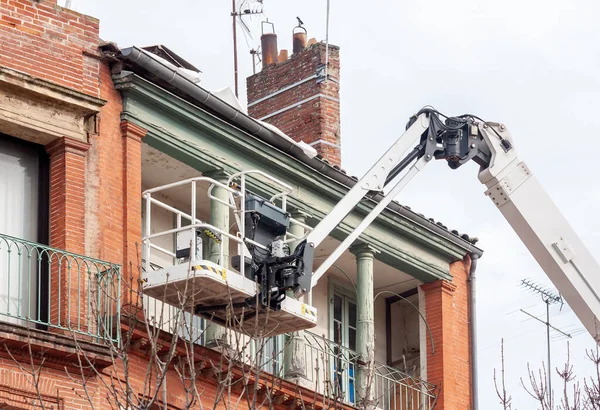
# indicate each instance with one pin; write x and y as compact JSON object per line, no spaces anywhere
{"x":216,"y":335}
{"x":295,"y":352}
{"x":365,"y":324}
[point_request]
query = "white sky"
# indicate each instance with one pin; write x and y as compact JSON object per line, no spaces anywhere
{"x":532,"y":65}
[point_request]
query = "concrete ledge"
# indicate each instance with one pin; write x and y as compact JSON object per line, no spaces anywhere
{"x":58,"y":350}
{"x":40,"y":111}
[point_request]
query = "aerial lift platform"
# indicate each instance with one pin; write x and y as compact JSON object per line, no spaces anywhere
{"x":270,"y":270}
{"x":239,"y":296}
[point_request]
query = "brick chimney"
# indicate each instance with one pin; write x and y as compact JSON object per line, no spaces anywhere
{"x":294,"y":96}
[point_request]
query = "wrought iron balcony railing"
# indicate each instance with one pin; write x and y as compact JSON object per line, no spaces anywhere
{"x":332,"y":371}
{"x":55,"y":290}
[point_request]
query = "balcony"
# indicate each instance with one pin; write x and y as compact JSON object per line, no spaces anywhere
{"x":57,"y":291}
{"x":331,"y":370}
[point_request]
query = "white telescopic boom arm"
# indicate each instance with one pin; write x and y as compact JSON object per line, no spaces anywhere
{"x":542,"y":228}
{"x":511,"y":186}
{"x":373,"y":180}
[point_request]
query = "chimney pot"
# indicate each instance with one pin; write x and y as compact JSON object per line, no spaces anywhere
{"x":299,"y":36}
{"x":268,"y":44}
{"x":283,"y":56}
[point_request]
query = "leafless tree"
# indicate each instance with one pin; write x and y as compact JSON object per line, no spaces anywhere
{"x":505,"y":399}
{"x":168,"y":346}
{"x":571,"y":397}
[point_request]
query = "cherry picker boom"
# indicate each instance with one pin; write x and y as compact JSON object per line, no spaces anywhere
{"x":510,"y":185}
{"x":269,"y":269}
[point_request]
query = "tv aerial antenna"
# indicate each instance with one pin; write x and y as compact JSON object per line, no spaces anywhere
{"x":246,"y":8}
{"x":549,"y":297}
{"x":255,"y":52}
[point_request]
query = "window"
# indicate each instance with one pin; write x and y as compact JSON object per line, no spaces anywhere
{"x":272,"y":354}
{"x":343,"y":333}
{"x":24,"y":184}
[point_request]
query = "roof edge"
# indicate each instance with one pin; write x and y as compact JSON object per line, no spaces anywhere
{"x":137,"y":58}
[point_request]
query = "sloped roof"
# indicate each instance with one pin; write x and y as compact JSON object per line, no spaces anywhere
{"x":149,"y":67}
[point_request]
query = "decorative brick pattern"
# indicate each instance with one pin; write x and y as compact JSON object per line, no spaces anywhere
{"x":14,"y":398}
{"x":447,"y":313}
{"x":50,"y":42}
{"x":316,"y":121}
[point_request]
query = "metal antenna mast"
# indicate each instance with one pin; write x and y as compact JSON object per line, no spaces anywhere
{"x":549,"y":297}
{"x":234,"y":15}
{"x":235,"y":59}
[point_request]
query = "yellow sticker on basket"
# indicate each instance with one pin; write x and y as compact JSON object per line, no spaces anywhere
{"x":308,"y":311}
{"x":221,"y":272}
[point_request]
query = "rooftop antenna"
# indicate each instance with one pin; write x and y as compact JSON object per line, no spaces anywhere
{"x":549,"y":296}
{"x":68,"y":4}
{"x":255,"y":52}
{"x":327,"y":42}
{"x":245,"y":9}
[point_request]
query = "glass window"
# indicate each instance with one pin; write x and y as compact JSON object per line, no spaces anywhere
{"x":344,"y":318}
{"x":23,"y":215}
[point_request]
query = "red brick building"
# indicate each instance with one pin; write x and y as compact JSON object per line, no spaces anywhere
{"x":85,"y":128}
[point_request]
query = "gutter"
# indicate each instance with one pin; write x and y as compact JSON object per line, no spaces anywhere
{"x":138,"y":58}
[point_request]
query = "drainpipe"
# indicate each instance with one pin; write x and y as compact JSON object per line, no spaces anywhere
{"x":473,"y":328}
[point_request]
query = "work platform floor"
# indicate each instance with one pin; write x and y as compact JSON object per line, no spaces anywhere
{"x":205,"y":283}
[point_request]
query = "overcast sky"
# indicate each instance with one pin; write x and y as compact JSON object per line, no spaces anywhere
{"x":532,"y":65}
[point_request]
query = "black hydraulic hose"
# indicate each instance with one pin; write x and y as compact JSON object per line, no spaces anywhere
{"x":416,"y":153}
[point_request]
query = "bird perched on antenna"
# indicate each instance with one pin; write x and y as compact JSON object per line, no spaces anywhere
{"x":300,"y":22}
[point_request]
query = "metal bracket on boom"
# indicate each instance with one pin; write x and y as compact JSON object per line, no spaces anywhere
{"x":382,"y":175}
{"x":455,"y":139}
{"x":510,"y":183}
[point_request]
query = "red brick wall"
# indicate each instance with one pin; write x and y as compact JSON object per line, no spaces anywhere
{"x":447,"y":313}
{"x":106,"y":164}
{"x":87,"y":188}
{"x":316,"y":121}
{"x":67,"y":228}
{"x":132,"y":201}
{"x":56,"y":385}
{"x":49,"y":42}
{"x":95,"y":203}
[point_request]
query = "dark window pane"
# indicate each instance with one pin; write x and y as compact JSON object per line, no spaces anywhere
{"x":352,"y":338}
{"x":337,"y":307}
{"x":337,"y":332}
{"x":351,"y":314}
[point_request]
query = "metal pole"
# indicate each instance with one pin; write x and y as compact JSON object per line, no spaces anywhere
{"x":327,"y":43}
{"x":235,"y":59}
{"x":549,"y":366}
